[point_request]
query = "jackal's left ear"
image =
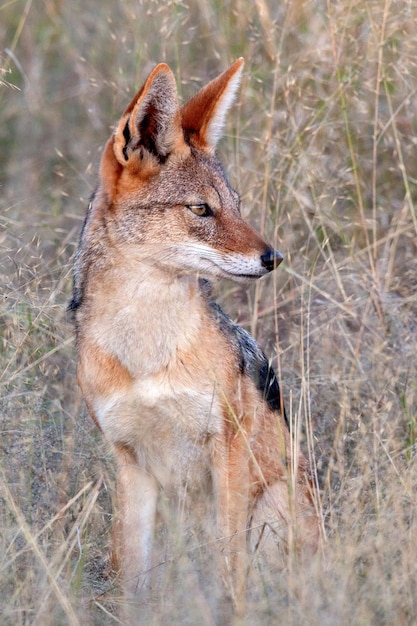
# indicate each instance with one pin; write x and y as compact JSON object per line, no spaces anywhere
{"x":203,"y":116}
{"x":151,"y":123}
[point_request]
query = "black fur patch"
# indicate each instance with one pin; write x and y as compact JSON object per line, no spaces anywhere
{"x":77,"y":296}
{"x":268,"y":383}
{"x":78,"y":274}
{"x":126,"y":135}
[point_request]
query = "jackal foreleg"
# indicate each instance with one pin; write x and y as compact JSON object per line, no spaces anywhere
{"x":137,"y":498}
{"x":231,"y":467}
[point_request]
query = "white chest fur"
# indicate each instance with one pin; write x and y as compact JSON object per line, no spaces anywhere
{"x":168,"y":415}
{"x":169,"y":427}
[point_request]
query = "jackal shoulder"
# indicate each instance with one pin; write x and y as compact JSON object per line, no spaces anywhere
{"x":252,"y":360}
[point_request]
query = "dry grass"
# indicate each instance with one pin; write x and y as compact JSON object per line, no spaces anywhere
{"x":322,"y":148}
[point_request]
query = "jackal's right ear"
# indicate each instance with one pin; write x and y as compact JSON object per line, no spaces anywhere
{"x":151,"y":123}
{"x":203,"y":117}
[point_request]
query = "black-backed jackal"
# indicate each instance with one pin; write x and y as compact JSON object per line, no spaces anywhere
{"x":184,"y":396}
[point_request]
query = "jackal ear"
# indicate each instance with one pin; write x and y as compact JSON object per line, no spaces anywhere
{"x":203,"y":117}
{"x":151,"y":122}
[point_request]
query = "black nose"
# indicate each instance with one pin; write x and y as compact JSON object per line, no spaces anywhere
{"x":271,"y":259}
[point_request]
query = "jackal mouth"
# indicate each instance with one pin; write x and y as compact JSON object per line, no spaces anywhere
{"x":243,"y":277}
{"x":240,"y":277}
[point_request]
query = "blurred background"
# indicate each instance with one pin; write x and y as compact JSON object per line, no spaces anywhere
{"x":322,"y":146}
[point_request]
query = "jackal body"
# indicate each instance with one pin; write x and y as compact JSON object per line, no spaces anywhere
{"x":184,"y":396}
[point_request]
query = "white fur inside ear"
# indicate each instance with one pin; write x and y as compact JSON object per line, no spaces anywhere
{"x":216,"y":125}
{"x":162,"y":96}
{"x":160,"y":102}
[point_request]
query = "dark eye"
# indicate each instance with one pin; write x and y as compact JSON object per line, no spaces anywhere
{"x":202,"y":210}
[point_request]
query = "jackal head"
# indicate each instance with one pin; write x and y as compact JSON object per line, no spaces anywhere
{"x":166,"y":198}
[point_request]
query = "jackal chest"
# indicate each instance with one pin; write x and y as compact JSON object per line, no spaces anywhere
{"x":171,"y":428}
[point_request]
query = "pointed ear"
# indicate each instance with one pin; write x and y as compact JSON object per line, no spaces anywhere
{"x":203,"y":116}
{"x":151,"y":123}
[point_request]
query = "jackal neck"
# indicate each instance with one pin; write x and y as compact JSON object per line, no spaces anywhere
{"x":146,"y":319}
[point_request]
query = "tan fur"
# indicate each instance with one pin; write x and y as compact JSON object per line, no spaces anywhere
{"x":165,"y":375}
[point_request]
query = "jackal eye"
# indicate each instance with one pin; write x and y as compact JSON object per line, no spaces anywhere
{"x":202,"y":210}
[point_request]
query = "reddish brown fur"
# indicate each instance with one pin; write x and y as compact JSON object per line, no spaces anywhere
{"x":165,"y":375}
